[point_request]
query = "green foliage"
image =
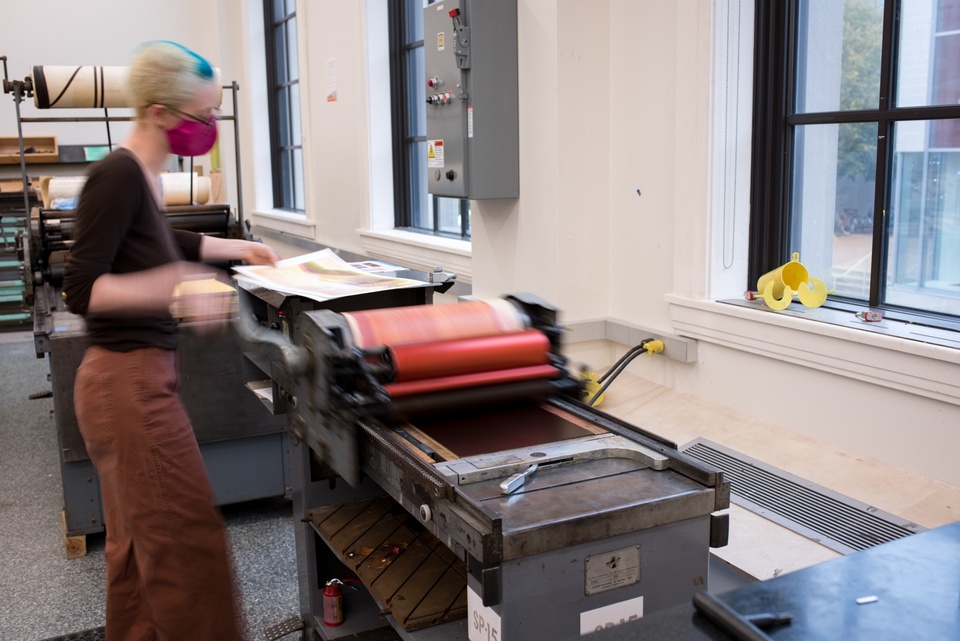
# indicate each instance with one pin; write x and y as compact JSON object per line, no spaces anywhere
{"x":860,"y":85}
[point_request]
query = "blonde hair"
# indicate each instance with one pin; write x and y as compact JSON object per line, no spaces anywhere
{"x":165,"y":73}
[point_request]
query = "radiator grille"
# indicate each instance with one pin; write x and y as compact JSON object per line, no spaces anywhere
{"x":833,"y":520}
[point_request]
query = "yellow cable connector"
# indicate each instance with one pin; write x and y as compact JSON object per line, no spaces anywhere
{"x":653,"y":347}
{"x":591,"y":385}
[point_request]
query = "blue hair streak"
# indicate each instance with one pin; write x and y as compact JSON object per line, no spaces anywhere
{"x":203,"y":69}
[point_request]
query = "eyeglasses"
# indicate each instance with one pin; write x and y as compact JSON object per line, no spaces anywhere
{"x":209,"y":120}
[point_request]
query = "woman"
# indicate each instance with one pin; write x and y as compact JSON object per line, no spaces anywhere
{"x":168,"y":568}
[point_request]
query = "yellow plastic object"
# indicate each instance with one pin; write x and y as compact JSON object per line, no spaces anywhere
{"x":778,"y":287}
{"x":653,"y":347}
{"x":785,"y":277}
{"x":591,"y":386}
{"x":812,"y":294}
{"x":772,"y":301}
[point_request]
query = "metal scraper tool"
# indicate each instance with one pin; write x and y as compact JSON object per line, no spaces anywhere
{"x":517,"y":480}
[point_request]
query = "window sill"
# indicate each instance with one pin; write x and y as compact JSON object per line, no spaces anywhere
{"x":419,"y":251}
{"x":284,"y":222}
{"x":914,"y":359}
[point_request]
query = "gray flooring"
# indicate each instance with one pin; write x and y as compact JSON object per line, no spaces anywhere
{"x":46,"y":595}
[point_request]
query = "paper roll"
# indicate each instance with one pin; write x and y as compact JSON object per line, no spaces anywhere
{"x":60,"y":190}
{"x":175,"y":188}
{"x":85,"y":86}
{"x":71,"y":86}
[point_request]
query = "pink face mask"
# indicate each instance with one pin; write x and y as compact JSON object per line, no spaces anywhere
{"x":191,"y":138}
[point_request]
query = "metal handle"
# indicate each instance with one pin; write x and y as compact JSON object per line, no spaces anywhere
{"x":517,"y":480}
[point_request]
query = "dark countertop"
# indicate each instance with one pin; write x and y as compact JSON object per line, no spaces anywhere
{"x":916,"y":582}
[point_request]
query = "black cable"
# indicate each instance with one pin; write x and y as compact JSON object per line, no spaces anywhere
{"x":628,"y":354}
{"x":618,"y":367}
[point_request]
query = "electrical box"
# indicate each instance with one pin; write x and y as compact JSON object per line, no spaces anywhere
{"x":470,"y":67}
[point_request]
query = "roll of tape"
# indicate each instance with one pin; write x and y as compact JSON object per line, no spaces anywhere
{"x":175,"y":188}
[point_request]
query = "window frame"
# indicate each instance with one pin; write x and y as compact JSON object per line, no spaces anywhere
{"x":279,"y":180}
{"x":774,"y":123}
{"x":405,"y":175}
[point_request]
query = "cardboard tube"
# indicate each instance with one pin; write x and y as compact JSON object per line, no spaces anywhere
{"x":73,"y":86}
{"x":69,"y":86}
{"x":176,"y":189}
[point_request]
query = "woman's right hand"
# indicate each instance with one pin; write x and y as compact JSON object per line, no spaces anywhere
{"x":205,"y":300}
{"x":150,"y":291}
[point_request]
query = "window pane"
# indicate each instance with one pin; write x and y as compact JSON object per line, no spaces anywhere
{"x":283,"y":116}
{"x":278,"y":10}
{"x":416,"y":94}
{"x":298,"y":202}
{"x":948,"y":19}
{"x":414,"y":20}
{"x":838,"y":55}
{"x":286,"y":166}
{"x":832,"y":204}
{"x":421,"y":215}
{"x":280,"y":54}
{"x":448,"y":215}
{"x":929,"y":54}
{"x":292,"y":60}
{"x":296,"y":138}
{"x":923,"y":270}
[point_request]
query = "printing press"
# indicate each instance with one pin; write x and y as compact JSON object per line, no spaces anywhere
{"x":44,"y":244}
{"x":455,"y":486}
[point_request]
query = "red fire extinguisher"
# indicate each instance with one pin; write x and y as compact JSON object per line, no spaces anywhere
{"x":333,"y":603}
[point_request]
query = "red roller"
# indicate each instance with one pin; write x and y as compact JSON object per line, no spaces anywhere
{"x":417,"y":361}
{"x":420,"y":324}
{"x":476,"y":379}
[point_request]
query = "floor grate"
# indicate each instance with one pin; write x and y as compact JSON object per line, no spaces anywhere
{"x":836,"y":521}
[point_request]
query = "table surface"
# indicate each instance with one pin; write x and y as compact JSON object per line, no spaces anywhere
{"x":915,"y":582}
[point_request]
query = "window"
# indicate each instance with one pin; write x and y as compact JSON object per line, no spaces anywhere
{"x":856,"y":159}
{"x":415,"y":208}
{"x":283,"y":76}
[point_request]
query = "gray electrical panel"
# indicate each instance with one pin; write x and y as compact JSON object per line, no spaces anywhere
{"x":470,"y":65}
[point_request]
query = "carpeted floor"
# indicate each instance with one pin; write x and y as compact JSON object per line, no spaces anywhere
{"x":46,"y":595}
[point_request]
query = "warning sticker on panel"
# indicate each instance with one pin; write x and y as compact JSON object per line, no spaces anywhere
{"x":440,"y":41}
{"x":611,"y":570}
{"x":435,"y":154}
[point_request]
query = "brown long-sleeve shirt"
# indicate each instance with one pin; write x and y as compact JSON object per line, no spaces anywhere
{"x":120,"y":229}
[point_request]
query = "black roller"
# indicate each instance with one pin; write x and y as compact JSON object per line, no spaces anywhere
{"x":405,"y":409}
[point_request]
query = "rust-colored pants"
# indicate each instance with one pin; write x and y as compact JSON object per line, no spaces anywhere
{"x":168,"y":569}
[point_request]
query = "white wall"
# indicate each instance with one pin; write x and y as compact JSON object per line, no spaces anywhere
{"x":637,"y":92}
{"x":93,"y":32}
{"x":615,"y":96}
